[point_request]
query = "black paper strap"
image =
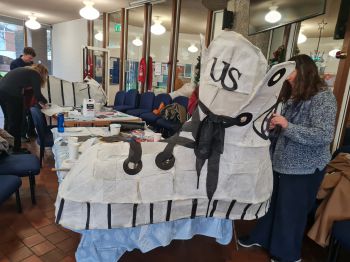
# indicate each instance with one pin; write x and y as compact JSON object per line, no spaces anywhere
{"x":88,"y":89}
{"x":134,"y":214}
{"x":135,"y":154}
{"x":245,"y":211}
{"x":62,"y":93}
{"x":215,"y":203}
{"x":74,"y":97}
{"x":87,"y":216}
{"x":151,"y":206}
{"x":229,"y":210}
{"x":168,"y":210}
{"x":257,"y":212}
{"x":48,"y":89}
{"x":194,"y":208}
{"x":60,"y":210}
{"x":109,"y":216}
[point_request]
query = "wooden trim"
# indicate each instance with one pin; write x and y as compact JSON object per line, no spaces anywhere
{"x":148,"y":44}
{"x":209,"y":28}
{"x":105,"y":57}
{"x":171,"y":49}
{"x":144,"y":39}
{"x":105,"y":30}
{"x":90,"y":31}
{"x":122,"y":59}
{"x":172,"y":46}
{"x":25,"y":31}
{"x":108,"y":29}
{"x":341,"y":79}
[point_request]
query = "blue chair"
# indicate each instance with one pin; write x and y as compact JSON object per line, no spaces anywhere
{"x":340,"y":238}
{"x":21,"y":165}
{"x":130,"y":101}
{"x":45,"y":137}
{"x":168,"y":127}
{"x":9,"y":185}
{"x":145,"y":106}
{"x":119,"y":98}
{"x":151,"y":118}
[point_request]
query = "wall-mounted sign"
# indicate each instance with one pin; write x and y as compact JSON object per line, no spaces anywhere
{"x":118,"y":27}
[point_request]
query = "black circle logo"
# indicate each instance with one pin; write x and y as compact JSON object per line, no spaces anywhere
{"x":277,"y":77}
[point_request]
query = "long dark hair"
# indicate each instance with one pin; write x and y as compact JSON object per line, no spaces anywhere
{"x":307,"y":82}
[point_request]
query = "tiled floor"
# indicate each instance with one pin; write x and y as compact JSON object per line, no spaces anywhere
{"x":33,"y":235}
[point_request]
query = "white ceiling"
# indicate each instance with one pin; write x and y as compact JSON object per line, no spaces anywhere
{"x":192,"y":19}
{"x":54,"y":11}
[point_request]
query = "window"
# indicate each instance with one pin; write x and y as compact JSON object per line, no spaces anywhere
{"x":98,"y":32}
{"x":193,"y":21}
{"x":134,"y":47}
{"x":160,"y":45}
{"x":217,"y":23}
{"x":11,"y":42}
{"x":40,"y":40}
{"x":115,"y":24}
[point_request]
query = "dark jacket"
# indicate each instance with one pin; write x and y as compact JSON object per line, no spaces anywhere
{"x":19,"y":63}
{"x":15,"y":81}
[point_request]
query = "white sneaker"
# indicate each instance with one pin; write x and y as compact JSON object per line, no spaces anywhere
{"x":275,"y":260}
{"x":244,"y":242}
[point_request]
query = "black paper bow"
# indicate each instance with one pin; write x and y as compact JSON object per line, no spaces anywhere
{"x":210,"y":143}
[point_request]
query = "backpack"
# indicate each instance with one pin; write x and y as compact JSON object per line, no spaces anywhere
{"x":174,"y":112}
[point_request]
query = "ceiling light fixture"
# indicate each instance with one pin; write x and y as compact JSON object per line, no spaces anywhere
{"x":333,"y":52}
{"x":157,"y":28}
{"x":32,"y":23}
{"x":89,"y":12}
{"x":301,"y":38}
{"x":99,"y":36}
{"x":192,"y":48}
{"x":273,"y":16}
{"x":137,"y":41}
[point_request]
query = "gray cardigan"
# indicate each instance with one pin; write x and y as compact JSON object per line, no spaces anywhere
{"x":304,"y":145}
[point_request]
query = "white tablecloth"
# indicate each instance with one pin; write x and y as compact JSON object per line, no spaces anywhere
{"x":109,"y":245}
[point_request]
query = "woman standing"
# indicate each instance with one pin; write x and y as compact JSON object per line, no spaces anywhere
{"x":12,"y":88}
{"x":303,"y":133}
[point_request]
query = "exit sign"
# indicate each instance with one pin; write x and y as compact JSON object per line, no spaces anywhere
{"x":118,"y":27}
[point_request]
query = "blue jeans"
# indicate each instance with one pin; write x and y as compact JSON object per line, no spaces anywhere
{"x":281,"y":230}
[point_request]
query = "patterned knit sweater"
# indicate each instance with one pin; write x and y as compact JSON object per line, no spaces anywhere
{"x":304,"y":145}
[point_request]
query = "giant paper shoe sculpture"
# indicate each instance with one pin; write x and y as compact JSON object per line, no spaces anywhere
{"x":217,"y":166}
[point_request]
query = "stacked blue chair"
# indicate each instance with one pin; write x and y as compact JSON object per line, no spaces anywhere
{"x":340,"y":238}
{"x":119,"y":98}
{"x":45,"y":136}
{"x":151,"y":118}
{"x":21,"y":165}
{"x":9,"y":185}
{"x":130,"y":101}
{"x":170,"y":127}
{"x":145,"y":106}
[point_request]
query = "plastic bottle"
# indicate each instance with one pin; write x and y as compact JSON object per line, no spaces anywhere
{"x":60,"y":122}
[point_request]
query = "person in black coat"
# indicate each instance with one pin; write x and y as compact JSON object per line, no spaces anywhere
{"x":24,"y":60}
{"x":12,"y":88}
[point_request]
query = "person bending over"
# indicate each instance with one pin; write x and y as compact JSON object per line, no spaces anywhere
{"x":12,"y":88}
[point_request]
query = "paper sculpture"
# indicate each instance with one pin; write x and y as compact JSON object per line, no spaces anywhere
{"x":217,"y":166}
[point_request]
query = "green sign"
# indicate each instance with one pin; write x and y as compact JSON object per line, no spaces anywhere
{"x":118,"y":27}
